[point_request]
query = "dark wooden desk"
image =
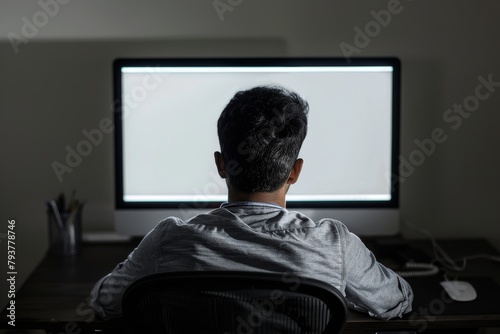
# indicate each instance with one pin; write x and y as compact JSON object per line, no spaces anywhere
{"x":55,"y":296}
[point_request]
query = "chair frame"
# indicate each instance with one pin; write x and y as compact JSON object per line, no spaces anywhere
{"x":238,"y":280}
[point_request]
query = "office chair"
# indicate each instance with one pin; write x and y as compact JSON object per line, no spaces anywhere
{"x":232,"y":302}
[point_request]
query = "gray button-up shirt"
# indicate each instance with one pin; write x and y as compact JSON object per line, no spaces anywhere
{"x":260,"y":237}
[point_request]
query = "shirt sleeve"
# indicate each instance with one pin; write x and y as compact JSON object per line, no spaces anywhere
{"x":107,"y":293}
{"x":371,"y":287}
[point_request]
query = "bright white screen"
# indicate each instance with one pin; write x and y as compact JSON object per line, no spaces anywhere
{"x":170,"y":130}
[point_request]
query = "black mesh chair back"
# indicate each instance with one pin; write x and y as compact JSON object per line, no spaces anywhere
{"x":232,"y":302}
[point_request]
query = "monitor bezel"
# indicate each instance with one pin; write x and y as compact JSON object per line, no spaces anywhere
{"x":118,"y":64}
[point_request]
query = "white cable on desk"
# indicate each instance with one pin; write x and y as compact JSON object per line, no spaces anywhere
{"x":413,"y":269}
{"x":443,"y":258}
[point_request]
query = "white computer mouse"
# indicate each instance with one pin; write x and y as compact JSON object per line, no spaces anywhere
{"x":459,"y":291}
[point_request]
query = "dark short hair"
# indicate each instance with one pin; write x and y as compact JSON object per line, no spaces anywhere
{"x":261,"y":131}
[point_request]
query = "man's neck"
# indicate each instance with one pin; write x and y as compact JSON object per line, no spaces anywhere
{"x":274,"y":198}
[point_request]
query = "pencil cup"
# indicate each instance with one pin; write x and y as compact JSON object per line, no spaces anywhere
{"x":65,"y":232}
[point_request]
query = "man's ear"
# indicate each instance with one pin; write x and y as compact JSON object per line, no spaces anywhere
{"x":295,"y":172}
{"x":219,"y":162}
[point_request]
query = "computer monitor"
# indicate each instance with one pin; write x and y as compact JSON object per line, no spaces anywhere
{"x":166,"y":133}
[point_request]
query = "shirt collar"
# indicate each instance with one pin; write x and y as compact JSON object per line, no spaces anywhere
{"x":250,"y":203}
